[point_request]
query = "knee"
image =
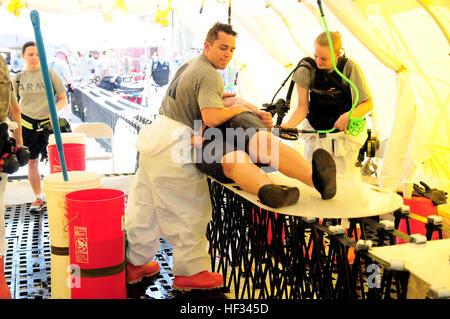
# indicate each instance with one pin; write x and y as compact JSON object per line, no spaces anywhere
{"x":261,"y":137}
{"x":230,"y":160}
{"x":261,"y":143}
{"x":33,"y":164}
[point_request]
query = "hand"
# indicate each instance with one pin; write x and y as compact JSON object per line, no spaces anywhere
{"x":97,"y":83}
{"x":266,"y":118}
{"x":229,"y":101}
{"x":342,"y":122}
{"x":227,"y":94}
{"x":197,"y":141}
{"x":72,"y":86}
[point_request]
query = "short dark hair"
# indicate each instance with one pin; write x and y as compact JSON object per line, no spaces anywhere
{"x":213,"y":33}
{"x":28,"y":44}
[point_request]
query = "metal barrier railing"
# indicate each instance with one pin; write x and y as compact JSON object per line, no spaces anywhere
{"x":93,"y":104}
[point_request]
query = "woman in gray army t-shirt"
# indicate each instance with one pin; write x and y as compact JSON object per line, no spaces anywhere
{"x":29,"y":89}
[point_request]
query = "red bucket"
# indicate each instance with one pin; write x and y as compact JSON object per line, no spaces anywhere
{"x":420,"y":206}
{"x":74,"y":155}
{"x":97,"y":243}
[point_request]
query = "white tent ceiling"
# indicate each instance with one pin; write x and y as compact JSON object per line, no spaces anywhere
{"x":401,"y":45}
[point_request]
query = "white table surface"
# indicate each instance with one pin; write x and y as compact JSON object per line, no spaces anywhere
{"x":354,"y":199}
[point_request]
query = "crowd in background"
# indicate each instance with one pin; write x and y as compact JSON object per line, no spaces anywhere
{"x":112,"y":68}
{"x":82,"y":64}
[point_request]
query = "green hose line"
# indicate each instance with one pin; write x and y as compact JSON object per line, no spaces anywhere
{"x":232,"y":78}
{"x":356,"y":125}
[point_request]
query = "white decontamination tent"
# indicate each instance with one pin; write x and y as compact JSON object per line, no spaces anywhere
{"x":402,"y":46}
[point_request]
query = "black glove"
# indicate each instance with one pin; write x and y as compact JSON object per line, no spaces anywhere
{"x":438,"y":197}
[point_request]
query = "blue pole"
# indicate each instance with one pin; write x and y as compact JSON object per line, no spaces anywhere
{"x":34,"y":15}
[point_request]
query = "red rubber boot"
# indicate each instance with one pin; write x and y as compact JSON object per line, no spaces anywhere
{"x":204,"y":280}
{"x":4,"y":289}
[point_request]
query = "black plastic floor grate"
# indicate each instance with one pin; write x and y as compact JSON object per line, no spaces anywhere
{"x":28,"y":262}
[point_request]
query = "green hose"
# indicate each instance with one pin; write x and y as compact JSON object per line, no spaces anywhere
{"x":232,"y":78}
{"x":356,"y":125}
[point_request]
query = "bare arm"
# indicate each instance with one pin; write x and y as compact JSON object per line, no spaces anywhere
{"x":233,"y":100}
{"x":265,"y":117}
{"x":301,"y":111}
{"x":213,"y":117}
{"x":62,"y":101}
{"x":360,"y":110}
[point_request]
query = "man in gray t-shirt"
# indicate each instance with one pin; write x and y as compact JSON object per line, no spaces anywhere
{"x":195,"y":86}
{"x":233,"y":132}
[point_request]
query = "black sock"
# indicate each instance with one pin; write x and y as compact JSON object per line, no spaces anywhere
{"x":324,"y":173}
{"x":278,"y":195}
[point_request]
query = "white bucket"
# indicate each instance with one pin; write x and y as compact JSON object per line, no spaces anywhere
{"x":55,"y":189}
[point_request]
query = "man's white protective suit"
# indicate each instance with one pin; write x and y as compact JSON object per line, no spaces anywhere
{"x":169,"y":197}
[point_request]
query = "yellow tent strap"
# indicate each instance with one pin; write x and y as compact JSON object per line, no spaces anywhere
{"x":121,"y":5}
{"x":107,"y":16}
{"x":286,"y":23}
{"x":162,"y":16}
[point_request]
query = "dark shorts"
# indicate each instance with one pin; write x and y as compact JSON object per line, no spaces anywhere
{"x":233,"y":135}
{"x":36,"y":141}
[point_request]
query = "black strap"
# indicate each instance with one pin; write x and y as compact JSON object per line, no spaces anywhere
{"x":36,"y":123}
{"x":102,"y":272}
{"x":341,"y":63}
{"x":59,"y":251}
{"x":18,"y":83}
{"x":292,"y":84}
{"x":289,"y":93}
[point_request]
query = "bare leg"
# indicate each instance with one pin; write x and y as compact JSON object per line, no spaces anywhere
{"x":238,"y":167}
{"x":265,"y":148}
{"x":33,"y":176}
